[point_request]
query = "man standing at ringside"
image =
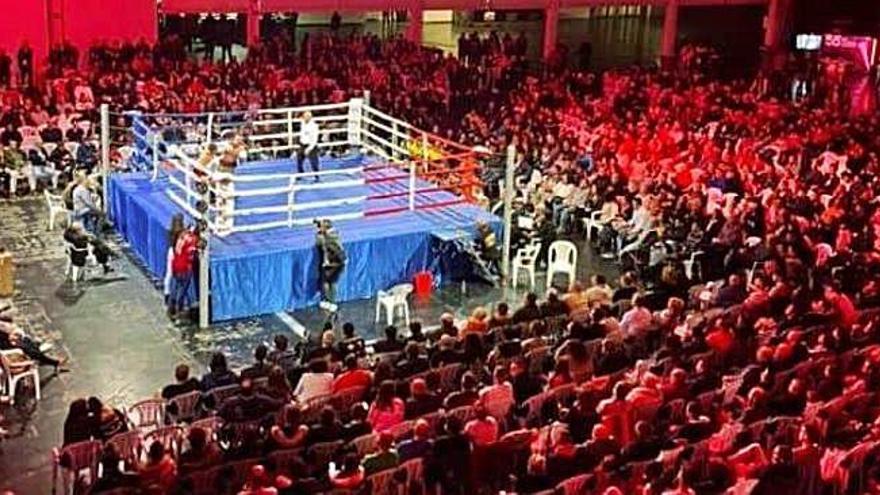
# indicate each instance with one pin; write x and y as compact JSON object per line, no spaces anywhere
{"x":308,"y":144}
{"x":331,"y":256}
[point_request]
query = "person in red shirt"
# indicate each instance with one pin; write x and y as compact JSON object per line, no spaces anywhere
{"x":160,"y":470}
{"x":353,"y":376}
{"x":185,"y":247}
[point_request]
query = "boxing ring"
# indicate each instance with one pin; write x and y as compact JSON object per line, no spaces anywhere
{"x":388,"y":187}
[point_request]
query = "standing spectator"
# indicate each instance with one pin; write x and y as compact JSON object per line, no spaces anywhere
{"x":25,"y":65}
{"x":182,"y":264}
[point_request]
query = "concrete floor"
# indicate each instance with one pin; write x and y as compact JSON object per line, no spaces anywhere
{"x":121,"y":347}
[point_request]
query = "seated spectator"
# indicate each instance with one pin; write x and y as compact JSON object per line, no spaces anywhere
{"x":413,"y":361}
{"x":317,"y":381}
{"x":260,"y":368}
{"x":497,"y":399}
{"x":384,"y":458}
{"x":501,"y":316}
{"x":483,"y":429}
{"x":446,"y":353}
{"x":277,"y":387}
{"x":419,"y":446}
{"x":159,"y":472}
{"x":524,"y":383}
{"x":421,"y":400}
{"x":351,"y":344}
{"x":79,"y":425}
{"x":350,"y":476}
{"x":387,"y":410}
{"x":247,"y":405}
{"x":358,"y":424}
{"x":328,"y":429}
{"x":560,"y":375}
{"x":281,"y":355}
{"x":617,"y":414}
{"x":288,"y":432}
{"x":200,"y":453}
{"x":109,"y":421}
{"x":13,"y":337}
{"x":327,"y":350}
{"x":627,"y":288}
{"x":528,"y":311}
{"x":536,"y":478}
{"x":477,"y":323}
{"x":467,"y":395}
{"x":638,"y":320}
{"x":415,"y":334}
{"x":599,"y":293}
{"x":352,"y":377}
{"x":390,"y":343}
{"x":451,"y":457}
{"x":184,"y":383}
{"x":553,"y":306}
{"x":218,"y":374}
{"x":258,"y":483}
{"x":112,"y":477}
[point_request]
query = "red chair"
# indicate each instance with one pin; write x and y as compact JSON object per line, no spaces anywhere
{"x":72,"y":460}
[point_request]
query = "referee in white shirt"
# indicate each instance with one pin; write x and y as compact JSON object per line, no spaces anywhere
{"x":308,"y":141}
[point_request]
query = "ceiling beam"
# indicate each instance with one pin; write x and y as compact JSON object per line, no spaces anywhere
{"x":242,"y":6}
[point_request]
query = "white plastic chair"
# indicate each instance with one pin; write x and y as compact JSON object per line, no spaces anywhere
{"x":592,"y":223}
{"x":526,"y":259}
{"x":27,"y":131}
{"x":690,"y":263}
{"x":14,"y":370}
{"x":55,"y":204}
{"x":562,"y":259}
{"x":72,"y":147}
{"x":77,"y":273}
{"x":391,"y":300}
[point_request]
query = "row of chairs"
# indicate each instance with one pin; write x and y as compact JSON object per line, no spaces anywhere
{"x":71,"y":462}
{"x":561,"y":259}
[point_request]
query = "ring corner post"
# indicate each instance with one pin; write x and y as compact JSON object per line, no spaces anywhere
{"x":154,"y":151}
{"x":510,"y":165}
{"x":205,"y":283}
{"x":105,"y":155}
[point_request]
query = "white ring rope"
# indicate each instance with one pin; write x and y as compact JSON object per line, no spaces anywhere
{"x":357,"y":128}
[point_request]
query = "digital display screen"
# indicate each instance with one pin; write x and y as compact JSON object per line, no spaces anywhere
{"x":808,"y":41}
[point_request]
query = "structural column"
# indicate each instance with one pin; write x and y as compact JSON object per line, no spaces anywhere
{"x":668,"y":52}
{"x":551,"y":29}
{"x":415,"y":14}
{"x":773,"y":52}
{"x":253,"y":22}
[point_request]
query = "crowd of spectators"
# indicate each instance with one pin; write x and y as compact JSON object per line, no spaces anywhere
{"x":738,"y":351}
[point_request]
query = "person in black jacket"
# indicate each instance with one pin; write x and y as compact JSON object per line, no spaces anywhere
{"x":332,"y":261}
{"x":76,"y":236}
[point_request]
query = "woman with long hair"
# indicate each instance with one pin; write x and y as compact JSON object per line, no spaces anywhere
{"x":387,"y":410}
{"x":177,"y":226}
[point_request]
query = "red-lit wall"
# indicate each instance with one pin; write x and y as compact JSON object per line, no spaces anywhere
{"x":80,"y":22}
{"x":24,"y":20}
{"x":88,"y":21}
